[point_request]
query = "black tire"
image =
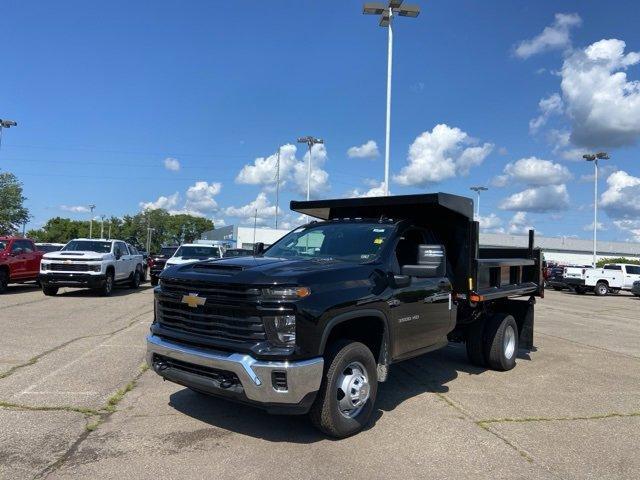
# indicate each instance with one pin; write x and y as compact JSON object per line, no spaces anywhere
{"x":557,"y":289}
{"x":579,"y":290}
{"x":143,"y":275}
{"x":135,"y":280}
{"x":4,"y":281}
{"x":107,"y":286}
{"x":501,"y":342}
{"x":474,"y":343}
{"x":601,"y":289}
{"x":50,"y":291}
{"x":325,"y":413}
{"x":154,"y":281}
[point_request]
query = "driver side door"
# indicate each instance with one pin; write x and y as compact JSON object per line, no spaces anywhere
{"x":122,"y":261}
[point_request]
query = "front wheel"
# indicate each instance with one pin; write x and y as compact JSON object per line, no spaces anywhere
{"x":579,"y":290}
{"x":49,"y":291}
{"x":107,"y":286}
{"x":4,"y":281}
{"x":501,"y":342}
{"x":601,"y":289}
{"x":347,"y":395}
{"x":135,"y":280}
{"x":154,"y":281}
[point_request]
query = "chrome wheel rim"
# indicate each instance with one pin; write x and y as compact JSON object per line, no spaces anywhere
{"x":352,"y":390}
{"x":509,"y":342}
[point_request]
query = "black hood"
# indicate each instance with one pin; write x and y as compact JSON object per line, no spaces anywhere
{"x":261,"y":270}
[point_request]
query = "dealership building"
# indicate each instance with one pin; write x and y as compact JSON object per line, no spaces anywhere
{"x":562,"y":250}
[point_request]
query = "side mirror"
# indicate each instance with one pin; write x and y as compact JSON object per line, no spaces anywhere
{"x":258,"y":249}
{"x":118,"y":255}
{"x":432,"y":262}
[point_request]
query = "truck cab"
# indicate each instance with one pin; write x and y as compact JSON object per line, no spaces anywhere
{"x":311,"y":324}
{"x":19,"y":261}
{"x":611,"y":278}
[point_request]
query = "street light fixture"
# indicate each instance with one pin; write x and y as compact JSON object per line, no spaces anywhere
{"x":594,"y":157}
{"x":386,"y":12}
{"x":310,"y":141}
{"x":478,"y":189}
{"x":91,"y":208}
{"x":6,"y":124}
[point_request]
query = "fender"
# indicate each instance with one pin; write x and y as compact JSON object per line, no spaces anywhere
{"x":383,"y":357}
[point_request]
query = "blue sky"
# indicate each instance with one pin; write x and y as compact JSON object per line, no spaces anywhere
{"x":105,"y":93}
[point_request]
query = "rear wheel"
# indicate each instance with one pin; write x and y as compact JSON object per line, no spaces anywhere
{"x":501,"y":342}
{"x":49,"y":291}
{"x":601,"y":289}
{"x":4,"y":281}
{"x":347,"y":395}
{"x":579,"y":290}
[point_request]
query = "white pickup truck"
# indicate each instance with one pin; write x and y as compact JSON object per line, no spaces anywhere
{"x":612,"y":277}
{"x":97,"y":264}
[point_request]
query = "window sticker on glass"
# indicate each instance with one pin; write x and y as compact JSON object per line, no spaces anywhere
{"x":379,"y":230}
{"x":378,"y":240}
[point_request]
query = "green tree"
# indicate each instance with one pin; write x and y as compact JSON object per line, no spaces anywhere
{"x":13,"y":213}
{"x":601,"y":263}
{"x":60,"y":230}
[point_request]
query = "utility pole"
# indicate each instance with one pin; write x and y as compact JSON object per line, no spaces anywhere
{"x":478,"y":189}
{"x":102,"y":226}
{"x":310,"y":141}
{"x":109,"y":230}
{"x":255,"y":224}
{"x":149,"y":231}
{"x":394,"y":7}
{"x":277,"y":186}
{"x":91,"y":208}
{"x":6,"y":124}
{"x":594,"y":157}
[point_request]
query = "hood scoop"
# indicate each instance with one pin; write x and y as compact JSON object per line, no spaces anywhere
{"x":70,"y":254}
{"x":214,"y":267}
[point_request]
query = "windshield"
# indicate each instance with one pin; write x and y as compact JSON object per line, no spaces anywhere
{"x":88,"y":246}
{"x":3,"y":245}
{"x":168,"y":251}
{"x":352,"y":242}
{"x":197,"y":252}
{"x":47,"y":248}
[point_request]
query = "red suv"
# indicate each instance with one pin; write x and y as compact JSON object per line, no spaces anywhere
{"x":19,"y":261}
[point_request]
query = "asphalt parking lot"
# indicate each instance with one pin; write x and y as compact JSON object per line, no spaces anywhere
{"x":77,"y":402}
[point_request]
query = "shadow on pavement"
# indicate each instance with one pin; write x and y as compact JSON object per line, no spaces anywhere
{"x":118,"y":291}
{"x":428,"y":373}
{"x":14,"y":289}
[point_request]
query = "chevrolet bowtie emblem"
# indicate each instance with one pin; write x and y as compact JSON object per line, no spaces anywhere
{"x":193,"y":300}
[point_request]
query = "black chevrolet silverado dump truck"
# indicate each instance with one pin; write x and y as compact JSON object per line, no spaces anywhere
{"x":312,"y":324}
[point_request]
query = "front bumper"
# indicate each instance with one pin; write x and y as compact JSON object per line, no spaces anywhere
{"x":82,"y":280}
{"x":255,"y":378}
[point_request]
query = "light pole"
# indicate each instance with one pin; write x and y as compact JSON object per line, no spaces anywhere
{"x":91,"y":208}
{"x":102,"y":226}
{"x":149,"y":231}
{"x":6,"y":124}
{"x":594,"y":157}
{"x":278,"y":184}
{"x":386,"y":12}
{"x":478,"y":189}
{"x":310,"y":141}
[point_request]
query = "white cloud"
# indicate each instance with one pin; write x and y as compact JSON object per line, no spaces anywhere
{"x":366,"y":150}
{"x":556,"y":36}
{"x":491,"y":223}
{"x":259,"y":210}
{"x":441,"y":154}
{"x":172,"y":164}
{"x":602,"y":105}
{"x":551,"y":105}
{"x":603,"y":171}
{"x":162,"y":202}
{"x":376,"y":190}
{"x":293,"y":172}
{"x":200,"y":197}
{"x":621,"y":200}
{"x":547,"y":198}
{"x":520,"y":224}
{"x":75,"y":208}
{"x":631,"y":227}
{"x":589,"y":227}
{"x":533,"y":171}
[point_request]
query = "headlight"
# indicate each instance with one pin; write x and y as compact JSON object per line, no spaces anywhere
{"x":285,"y":293}
{"x":282,"y":329}
{"x":95,"y":268}
{"x":44,"y":266}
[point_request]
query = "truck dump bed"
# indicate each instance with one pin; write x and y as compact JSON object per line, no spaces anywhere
{"x":481,"y":273}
